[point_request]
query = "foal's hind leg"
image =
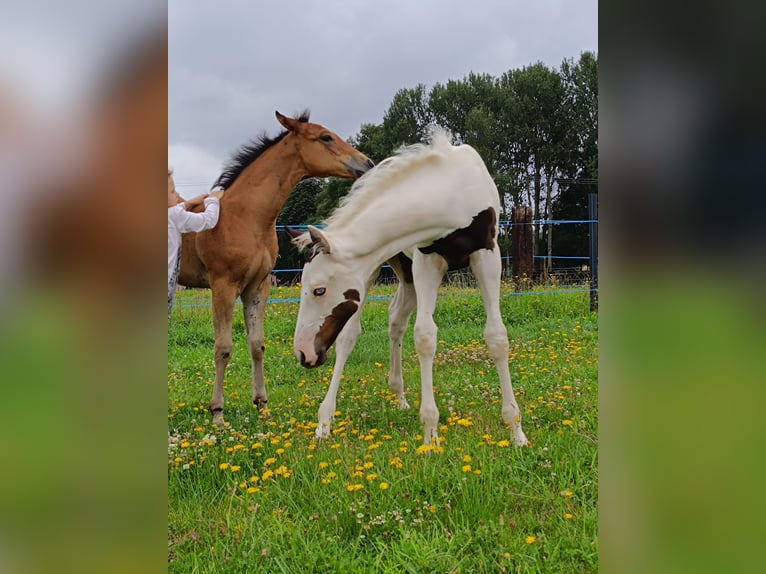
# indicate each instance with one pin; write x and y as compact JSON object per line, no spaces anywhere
{"x":254,"y":306}
{"x":487,"y":268}
{"x":224,"y":295}
{"x":428,"y":271}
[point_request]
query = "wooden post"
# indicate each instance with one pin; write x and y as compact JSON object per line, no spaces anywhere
{"x":593,"y":228}
{"x":522,"y":246}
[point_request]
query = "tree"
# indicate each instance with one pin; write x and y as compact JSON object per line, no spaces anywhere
{"x":300,"y":208}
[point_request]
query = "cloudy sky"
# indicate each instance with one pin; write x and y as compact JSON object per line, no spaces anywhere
{"x":232,"y":63}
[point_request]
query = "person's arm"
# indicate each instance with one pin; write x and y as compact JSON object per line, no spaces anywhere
{"x":188,"y":221}
{"x":190,"y":204}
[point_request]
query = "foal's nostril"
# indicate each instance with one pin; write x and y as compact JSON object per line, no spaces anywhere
{"x":370,"y":163}
{"x":303,"y":358}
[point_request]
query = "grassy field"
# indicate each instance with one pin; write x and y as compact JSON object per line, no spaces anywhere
{"x":260,"y":495}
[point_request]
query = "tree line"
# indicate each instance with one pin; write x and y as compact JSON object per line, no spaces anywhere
{"x":536,"y":128}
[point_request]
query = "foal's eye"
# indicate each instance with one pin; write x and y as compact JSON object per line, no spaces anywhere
{"x":319,"y":292}
{"x":327,"y":138}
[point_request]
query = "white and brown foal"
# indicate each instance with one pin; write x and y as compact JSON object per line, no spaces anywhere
{"x":428,"y":209}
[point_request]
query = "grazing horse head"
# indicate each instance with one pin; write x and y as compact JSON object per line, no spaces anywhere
{"x":322,"y":151}
{"x":331,"y":292}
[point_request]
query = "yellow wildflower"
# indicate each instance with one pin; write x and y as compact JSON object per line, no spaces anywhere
{"x":530,"y":539}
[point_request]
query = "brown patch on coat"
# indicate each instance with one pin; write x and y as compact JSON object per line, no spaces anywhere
{"x":334,"y":323}
{"x":458,"y":245}
{"x":351,"y":294}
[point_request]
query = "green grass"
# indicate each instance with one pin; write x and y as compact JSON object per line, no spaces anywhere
{"x":260,"y":495}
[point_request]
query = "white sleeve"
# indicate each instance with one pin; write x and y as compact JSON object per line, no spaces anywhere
{"x":188,"y":221}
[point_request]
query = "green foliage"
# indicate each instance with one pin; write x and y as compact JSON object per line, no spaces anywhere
{"x":535,"y":127}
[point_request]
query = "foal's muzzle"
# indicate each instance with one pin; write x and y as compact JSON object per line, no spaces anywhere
{"x":320,"y":359}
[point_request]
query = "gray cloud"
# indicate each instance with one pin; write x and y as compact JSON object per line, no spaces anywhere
{"x":233,"y":63}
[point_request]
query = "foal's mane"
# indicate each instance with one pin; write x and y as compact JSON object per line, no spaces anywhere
{"x":378,"y":179}
{"x":249,"y":152}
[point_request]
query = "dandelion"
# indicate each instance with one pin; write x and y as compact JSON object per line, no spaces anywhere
{"x":383,"y":486}
{"x":235,"y":468}
{"x":530,"y":539}
{"x":331,"y":475}
{"x":367,"y":465}
{"x":280,"y":451}
{"x":466,"y":458}
{"x":568,"y":516}
{"x":253,"y":490}
{"x":504,"y":443}
{"x":270,"y":460}
{"x":477,"y":472}
{"x":283,"y":471}
{"x":567,"y":423}
{"x":466,"y":468}
{"x":354,"y":487}
{"x":464,"y":422}
{"x":323,"y":465}
{"x":267,"y":475}
{"x":254,"y":479}
{"x":371,"y":476}
{"x":223,"y":465}
{"x":566,"y":493}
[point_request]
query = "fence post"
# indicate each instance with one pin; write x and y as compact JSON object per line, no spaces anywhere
{"x":593,"y":228}
{"x":522,"y":243}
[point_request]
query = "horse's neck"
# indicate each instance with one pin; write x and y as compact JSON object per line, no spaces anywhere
{"x":382,"y":230}
{"x":265,"y":185}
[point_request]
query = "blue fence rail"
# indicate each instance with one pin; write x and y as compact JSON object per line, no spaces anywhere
{"x":503,"y":224}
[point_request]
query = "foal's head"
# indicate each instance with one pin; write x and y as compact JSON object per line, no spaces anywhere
{"x":331,"y":292}
{"x":324,"y":153}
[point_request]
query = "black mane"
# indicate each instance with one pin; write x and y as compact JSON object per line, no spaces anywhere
{"x":250,"y":152}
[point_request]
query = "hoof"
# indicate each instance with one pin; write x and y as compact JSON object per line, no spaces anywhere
{"x":323,"y":431}
{"x":520,"y":439}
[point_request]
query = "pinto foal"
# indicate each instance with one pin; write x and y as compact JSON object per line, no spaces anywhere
{"x":429,"y":209}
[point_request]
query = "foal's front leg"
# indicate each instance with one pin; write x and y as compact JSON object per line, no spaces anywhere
{"x":398,"y":318}
{"x":254,"y":306}
{"x":344,"y":345}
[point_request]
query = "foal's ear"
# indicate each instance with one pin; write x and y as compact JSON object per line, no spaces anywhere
{"x":287,"y":123}
{"x":301,"y":239}
{"x":319,"y":240}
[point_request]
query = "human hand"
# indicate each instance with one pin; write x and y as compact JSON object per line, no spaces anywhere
{"x":195,"y":201}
